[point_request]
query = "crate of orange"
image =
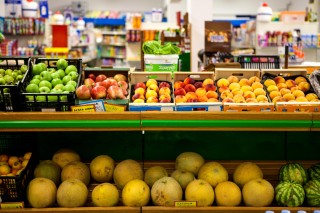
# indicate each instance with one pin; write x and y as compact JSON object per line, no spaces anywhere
{"x":18,"y":161}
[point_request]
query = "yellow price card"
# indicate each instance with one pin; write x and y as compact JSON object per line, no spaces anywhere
{"x":185,"y":204}
{"x":114,"y":108}
{"x":84,"y":108}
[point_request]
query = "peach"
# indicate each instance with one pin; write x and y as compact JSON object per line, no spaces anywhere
{"x":179,"y":91}
{"x":189,"y":88}
{"x":259,"y":91}
{"x":201,"y":92}
{"x":249,"y":94}
{"x":311,"y":96}
{"x":228,"y":100}
{"x":165,"y":100}
{"x":140,"y":84}
{"x":189,"y":80}
{"x":222,"y":89}
{"x":164,"y":96}
{"x":151,"y":93}
{"x":212,"y":94}
{"x":282,"y":85}
{"x":164,"y":90}
{"x":274,"y":94}
{"x":233,"y":79}
{"x":139,"y":90}
{"x":239,"y":99}
{"x":246,"y":88}
{"x":256,"y":85}
{"x":164,"y":84}
{"x":234,"y":85}
{"x":289,"y":97}
{"x":244,"y":82}
{"x":290,"y":83}
{"x":138,"y":96}
{"x":284,"y":91}
{"x":262,"y":98}
{"x":300,"y":79}
{"x":298,"y":93}
{"x":294,"y":88}
{"x":254,"y":79}
{"x":278,"y":99}
{"x":222,"y":82}
{"x":178,"y":84}
{"x":304,"y":86}
{"x":151,"y":81}
{"x":279,"y":79}
{"x":272,"y":88}
{"x":269,"y":82}
{"x":180,"y":99}
{"x":226,"y":94}
{"x":207,"y":81}
{"x":237,"y":91}
{"x":191,"y":95}
{"x":301,"y":99}
{"x":153,"y":87}
{"x":198,"y":84}
{"x":210,"y":87}
{"x":12,"y":160}
{"x":152,"y":99}
{"x":202,"y":99}
{"x":251,"y":100}
{"x":213,"y":100}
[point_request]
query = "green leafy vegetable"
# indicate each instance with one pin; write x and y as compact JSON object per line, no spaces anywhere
{"x":155,"y":47}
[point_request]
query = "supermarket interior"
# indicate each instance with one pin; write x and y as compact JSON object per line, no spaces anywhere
{"x":152,"y":106}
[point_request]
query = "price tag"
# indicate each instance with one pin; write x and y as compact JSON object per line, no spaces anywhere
{"x":12,"y":205}
{"x":185,"y":204}
{"x":114,"y":108}
{"x":84,"y":108}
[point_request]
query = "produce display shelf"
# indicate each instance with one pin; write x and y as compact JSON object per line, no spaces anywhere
{"x":116,"y":209}
{"x":316,"y":121}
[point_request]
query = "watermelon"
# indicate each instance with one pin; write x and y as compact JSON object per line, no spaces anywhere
{"x":312,"y":189}
{"x":314,"y":172}
{"x":289,"y":194}
{"x":293,"y":172}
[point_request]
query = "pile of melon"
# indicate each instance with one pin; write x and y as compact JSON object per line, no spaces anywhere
{"x":63,"y":181}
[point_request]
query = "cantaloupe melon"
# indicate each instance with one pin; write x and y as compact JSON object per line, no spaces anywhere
{"x":41,"y":192}
{"x":72,"y":193}
{"x":77,"y":170}
{"x":105,"y":195}
{"x":48,"y":169}
{"x":227,"y":194}
{"x":190,"y":162}
{"x":154,"y":173}
{"x":101,"y":168}
{"x":245,"y":172}
{"x":213,"y":173}
{"x":201,"y":191}
{"x":183,"y":177}
{"x":136,"y":193}
{"x":64,"y":156}
{"x":125,"y":171}
{"x":258,"y":193}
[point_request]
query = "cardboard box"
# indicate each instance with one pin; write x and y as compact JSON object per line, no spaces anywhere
{"x":292,"y":74}
{"x":136,"y":77}
{"x":240,"y":74}
{"x":196,"y":106}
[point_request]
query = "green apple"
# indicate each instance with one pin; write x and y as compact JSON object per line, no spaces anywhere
{"x":45,"y":75}
{"x":73,"y":83}
{"x":51,"y":69}
{"x":36,"y":69}
{"x":56,"y":91}
{"x":44,"y":90}
{"x":56,"y":81}
{"x":6,"y":90}
{"x":9,"y":79}
{"x":19,"y":78}
{"x":59,"y":87}
{"x":2,"y":72}
{"x":66,"y":79}
{"x":14,"y":75}
{"x":69,"y":87}
{"x":45,"y":83}
{"x":61,"y":73}
{"x":32,"y":88}
{"x":62,"y":63}
{"x":55,"y":75}
{"x":23,"y":68}
{"x":41,"y":98}
{"x":70,"y":68}
{"x":52,"y":98}
{"x":64,"y":97}
{"x":43,"y":65}
{"x":18,"y":72}
{"x":8,"y":72}
{"x":74,"y":75}
{"x":29,"y":98}
{"x":35,"y":81}
{"x":36,"y":77}
{"x":2,"y":81}
{"x":1,"y":76}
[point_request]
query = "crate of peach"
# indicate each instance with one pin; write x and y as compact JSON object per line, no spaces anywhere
{"x":196,"y":91}
{"x":151,"y":91}
{"x":242,"y":90}
{"x":290,"y":90}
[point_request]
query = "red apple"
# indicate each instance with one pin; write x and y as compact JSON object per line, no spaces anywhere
{"x":123,"y":85}
{"x":189,"y":80}
{"x":115,"y":92}
{"x":120,"y":77}
{"x":98,"y":84}
{"x":140,"y":84}
{"x":92,"y":76}
{"x":83,"y":92}
{"x":109,"y":82}
{"x":89,"y":82}
{"x":179,"y":91}
{"x":101,"y":77}
{"x":210,"y":87}
{"x":164,"y":84}
{"x":198,"y":84}
{"x":189,"y":88}
{"x":99,"y":92}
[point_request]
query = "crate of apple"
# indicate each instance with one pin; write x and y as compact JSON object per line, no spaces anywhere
{"x":103,"y":87}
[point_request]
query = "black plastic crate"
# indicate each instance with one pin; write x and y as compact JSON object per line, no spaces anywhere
{"x":10,"y":94}
{"x":259,"y":61}
{"x":61,"y":102}
{"x":13,"y":188}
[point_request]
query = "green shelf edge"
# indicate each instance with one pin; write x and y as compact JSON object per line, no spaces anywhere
{"x":42,"y":124}
{"x":316,"y":124}
{"x":228,"y":123}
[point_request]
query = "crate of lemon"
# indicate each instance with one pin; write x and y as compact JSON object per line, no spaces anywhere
{"x":50,"y":84}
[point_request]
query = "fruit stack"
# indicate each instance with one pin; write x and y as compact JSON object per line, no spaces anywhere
{"x":51,"y":84}
{"x":290,"y":90}
{"x":151,"y":91}
{"x":196,"y":91}
{"x":241,"y":89}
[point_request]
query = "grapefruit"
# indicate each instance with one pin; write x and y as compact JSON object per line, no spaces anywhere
{"x":105,"y":195}
{"x":101,"y":168}
{"x":125,"y":171}
{"x":41,"y":192}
